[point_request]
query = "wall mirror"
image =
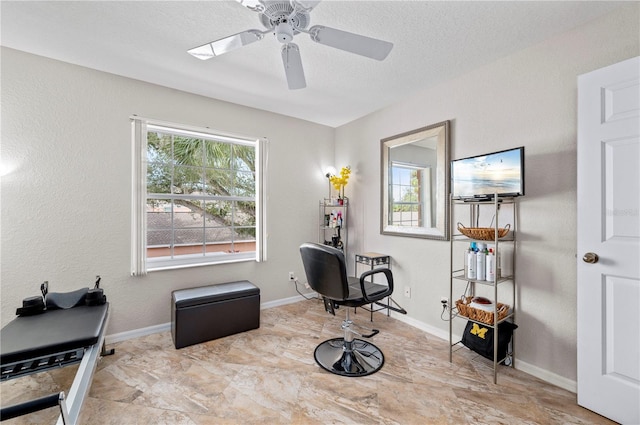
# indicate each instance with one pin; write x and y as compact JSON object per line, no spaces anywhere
{"x":415,"y":183}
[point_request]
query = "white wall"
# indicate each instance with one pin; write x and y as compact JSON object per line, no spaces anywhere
{"x":529,"y":99}
{"x":66,"y":208}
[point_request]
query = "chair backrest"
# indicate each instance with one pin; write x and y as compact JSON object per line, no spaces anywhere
{"x":326,"y":270}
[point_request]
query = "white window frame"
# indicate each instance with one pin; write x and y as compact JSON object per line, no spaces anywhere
{"x":424,"y":213}
{"x":140,"y":264}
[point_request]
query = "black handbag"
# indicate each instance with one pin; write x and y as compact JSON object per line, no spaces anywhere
{"x":479,"y":338}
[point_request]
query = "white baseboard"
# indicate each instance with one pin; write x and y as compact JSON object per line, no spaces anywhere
{"x":285,"y":301}
{"x":532,"y":370}
{"x":423,"y":326}
{"x":536,"y":371}
{"x":545,"y":375}
{"x":136,"y":333}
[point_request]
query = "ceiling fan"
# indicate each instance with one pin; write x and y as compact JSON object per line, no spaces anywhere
{"x":285,"y":19}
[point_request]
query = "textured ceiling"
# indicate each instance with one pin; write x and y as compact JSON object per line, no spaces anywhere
{"x":148,"y":40}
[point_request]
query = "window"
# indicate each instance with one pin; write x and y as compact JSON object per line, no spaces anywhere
{"x":408,"y":196}
{"x":198,"y":197}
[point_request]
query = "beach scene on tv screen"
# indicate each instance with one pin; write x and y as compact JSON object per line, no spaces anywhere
{"x":486,"y":175}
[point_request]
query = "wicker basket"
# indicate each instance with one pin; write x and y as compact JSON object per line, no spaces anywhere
{"x":464,"y":309}
{"x":483,"y":233}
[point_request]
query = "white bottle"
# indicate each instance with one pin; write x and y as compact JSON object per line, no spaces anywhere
{"x":491,"y":263}
{"x":471,"y":264}
{"x":480,"y":267}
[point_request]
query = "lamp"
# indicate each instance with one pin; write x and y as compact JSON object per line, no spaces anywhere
{"x":329,"y":172}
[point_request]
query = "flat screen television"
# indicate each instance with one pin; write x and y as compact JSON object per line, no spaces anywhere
{"x":482,"y":176}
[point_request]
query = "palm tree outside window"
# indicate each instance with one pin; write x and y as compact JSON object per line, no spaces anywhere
{"x":407,"y":184}
{"x":203,"y":202}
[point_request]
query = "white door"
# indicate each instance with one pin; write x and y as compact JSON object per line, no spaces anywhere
{"x":609,"y":227}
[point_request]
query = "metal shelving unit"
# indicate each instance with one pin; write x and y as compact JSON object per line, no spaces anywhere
{"x":333,"y":230}
{"x":475,"y":287}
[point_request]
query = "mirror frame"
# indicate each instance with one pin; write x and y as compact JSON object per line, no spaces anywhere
{"x":440,"y":130}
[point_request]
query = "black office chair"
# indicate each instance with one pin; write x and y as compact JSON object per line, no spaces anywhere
{"x":326,"y":272}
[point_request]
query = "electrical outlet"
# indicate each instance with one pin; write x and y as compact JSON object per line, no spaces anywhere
{"x":292,"y":276}
{"x":444,"y":300}
{"x":407,"y":291}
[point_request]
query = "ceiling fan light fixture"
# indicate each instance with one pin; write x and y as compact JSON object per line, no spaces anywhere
{"x":284,"y":32}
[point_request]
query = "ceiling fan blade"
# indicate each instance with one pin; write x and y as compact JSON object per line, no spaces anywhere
{"x":307,"y":5}
{"x":227,"y":44}
{"x":255,"y":5}
{"x":293,"y":66}
{"x":354,"y":43}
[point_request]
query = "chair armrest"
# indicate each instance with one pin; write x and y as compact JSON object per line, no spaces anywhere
{"x":388,"y":275}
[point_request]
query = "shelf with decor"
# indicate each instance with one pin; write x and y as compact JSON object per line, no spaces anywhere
{"x":333,"y":211}
{"x":332,"y":220}
{"x":488,"y":275}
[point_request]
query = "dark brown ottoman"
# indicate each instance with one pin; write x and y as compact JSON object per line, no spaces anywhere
{"x":209,"y":312}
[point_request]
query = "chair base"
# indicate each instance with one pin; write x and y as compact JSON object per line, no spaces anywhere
{"x":349,"y":358}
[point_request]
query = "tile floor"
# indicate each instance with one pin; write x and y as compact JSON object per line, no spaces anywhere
{"x":268,"y":376}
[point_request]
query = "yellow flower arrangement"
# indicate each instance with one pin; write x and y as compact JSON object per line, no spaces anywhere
{"x":339,"y":182}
